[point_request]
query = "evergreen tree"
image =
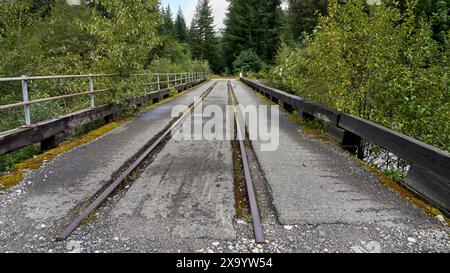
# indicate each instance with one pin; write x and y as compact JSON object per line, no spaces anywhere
{"x":255,"y":25}
{"x":180,"y":27}
{"x":202,"y":36}
{"x":167,"y":27}
{"x":302,"y":16}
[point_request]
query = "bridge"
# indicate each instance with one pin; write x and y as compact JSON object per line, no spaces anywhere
{"x":150,"y":184}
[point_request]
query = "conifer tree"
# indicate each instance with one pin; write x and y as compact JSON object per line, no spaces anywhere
{"x":202,"y":36}
{"x":252,"y":25}
{"x":303,"y":15}
{"x":167,"y":27}
{"x":180,"y":27}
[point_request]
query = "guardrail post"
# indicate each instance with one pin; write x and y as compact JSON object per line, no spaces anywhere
{"x":91,"y":89}
{"x":168,"y":81}
{"x":25,"y":99}
{"x":159,"y":83}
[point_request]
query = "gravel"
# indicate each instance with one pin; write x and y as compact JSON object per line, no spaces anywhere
{"x":101,"y":234}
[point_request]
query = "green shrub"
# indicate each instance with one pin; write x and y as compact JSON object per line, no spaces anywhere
{"x":248,"y":61}
{"x":108,"y":36}
{"x":375,"y":62}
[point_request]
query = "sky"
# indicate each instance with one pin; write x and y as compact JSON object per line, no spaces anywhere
{"x":188,"y":7}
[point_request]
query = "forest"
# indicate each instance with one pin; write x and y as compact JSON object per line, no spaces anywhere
{"x":383,"y":60}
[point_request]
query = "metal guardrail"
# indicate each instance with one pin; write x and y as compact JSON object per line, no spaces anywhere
{"x":51,"y":132}
{"x":176,"y":78}
{"x":429,"y":175}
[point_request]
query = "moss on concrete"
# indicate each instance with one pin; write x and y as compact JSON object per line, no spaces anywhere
{"x":15,"y":175}
{"x":403,"y":192}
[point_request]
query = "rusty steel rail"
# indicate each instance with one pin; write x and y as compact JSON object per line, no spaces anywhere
{"x":257,"y":227}
{"x":111,"y":188}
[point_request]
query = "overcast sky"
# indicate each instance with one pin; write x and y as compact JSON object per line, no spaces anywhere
{"x":188,"y":7}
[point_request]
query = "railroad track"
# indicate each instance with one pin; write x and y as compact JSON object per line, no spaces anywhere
{"x":73,"y":225}
{"x":155,"y":146}
{"x":257,"y":227}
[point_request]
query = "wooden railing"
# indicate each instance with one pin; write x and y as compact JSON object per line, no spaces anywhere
{"x":429,"y":174}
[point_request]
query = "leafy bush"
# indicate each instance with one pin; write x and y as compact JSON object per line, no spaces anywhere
{"x":248,"y":61}
{"x":375,"y":62}
{"x":108,"y":36}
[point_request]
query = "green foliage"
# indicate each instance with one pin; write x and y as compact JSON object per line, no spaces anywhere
{"x":50,"y":37}
{"x":125,"y":35}
{"x":437,"y":12}
{"x":9,"y":160}
{"x":395,"y":175}
{"x":248,"y":61}
{"x":375,"y":62}
{"x":181,"y":31}
{"x":167,"y":27}
{"x":202,"y":36}
{"x":303,"y":16}
{"x":252,"y":24}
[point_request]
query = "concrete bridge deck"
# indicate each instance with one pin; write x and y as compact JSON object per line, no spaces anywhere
{"x":313,"y":196}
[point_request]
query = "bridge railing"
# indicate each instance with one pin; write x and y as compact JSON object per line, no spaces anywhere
{"x":161,"y":79}
{"x":429,"y":173}
{"x":51,"y":132}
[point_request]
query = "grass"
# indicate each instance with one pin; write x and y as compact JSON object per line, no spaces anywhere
{"x":9,"y":160}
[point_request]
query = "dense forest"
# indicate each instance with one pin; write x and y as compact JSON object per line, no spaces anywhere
{"x":384,"y":60}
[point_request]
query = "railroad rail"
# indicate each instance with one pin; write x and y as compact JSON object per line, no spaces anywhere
{"x":257,"y":227}
{"x":429,"y":175}
{"x":136,"y":163}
